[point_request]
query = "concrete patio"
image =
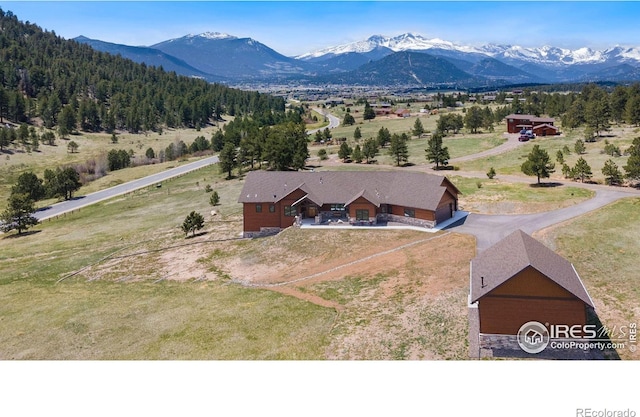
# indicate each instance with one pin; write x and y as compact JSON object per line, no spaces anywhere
{"x":459,"y":215}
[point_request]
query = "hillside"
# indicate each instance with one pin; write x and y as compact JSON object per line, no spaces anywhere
{"x":43,"y":73}
{"x":227,"y":56}
{"x":150,"y":56}
{"x":406,"y":68}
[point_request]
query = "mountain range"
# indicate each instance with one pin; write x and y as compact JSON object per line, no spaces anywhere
{"x":408,"y":60}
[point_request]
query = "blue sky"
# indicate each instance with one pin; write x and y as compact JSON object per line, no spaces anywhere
{"x":296,"y":27}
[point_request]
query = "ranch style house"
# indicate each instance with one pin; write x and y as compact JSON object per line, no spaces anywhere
{"x":275,"y":200}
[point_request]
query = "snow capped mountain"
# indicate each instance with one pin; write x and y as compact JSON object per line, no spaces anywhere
{"x":405,"y":42}
{"x":212,"y":36}
{"x":216,"y":56}
{"x":550,"y":56}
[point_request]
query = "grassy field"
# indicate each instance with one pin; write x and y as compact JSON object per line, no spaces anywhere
{"x":93,"y":145}
{"x":510,"y":162}
{"x":604,"y":247}
{"x":497,"y":197}
{"x":124,"y":307}
{"x":131,"y":314}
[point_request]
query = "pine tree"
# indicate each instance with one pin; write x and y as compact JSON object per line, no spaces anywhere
{"x":194,"y":221}
{"x":538,"y":163}
{"x":18,"y":214}
{"x":418,"y":129}
{"x":369,"y":149}
{"x":582,"y":170}
{"x":215,"y":199}
{"x":368,"y":113}
{"x":348,"y":120}
{"x":384,"y":137}
{"x":344,"y":152}
{"x":398,"y":148}
{"x":228,"y":159}
{"x":632,"y":169}
{"x":611,"y":172}
{"x":357,"y":135}
{"x":435,"y":152}
{"x":357,"y":154}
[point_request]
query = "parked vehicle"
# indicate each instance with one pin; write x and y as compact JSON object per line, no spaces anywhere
{"x":523,"y":138}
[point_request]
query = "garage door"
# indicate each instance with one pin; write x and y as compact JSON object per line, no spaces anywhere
{"x":443,"y":213}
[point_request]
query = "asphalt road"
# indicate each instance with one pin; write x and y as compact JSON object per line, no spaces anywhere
{"x":333,"y":121}
{"x":86,"y":200}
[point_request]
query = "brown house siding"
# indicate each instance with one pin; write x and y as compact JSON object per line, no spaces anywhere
{"x":500,"y":315}
{"x":253,"y":221}
{"x":286,"y":221}
{"x":528,"y":296}
{"x":419,"y":213}
{"x":362,"y":204}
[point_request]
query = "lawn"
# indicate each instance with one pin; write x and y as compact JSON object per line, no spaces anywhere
{"x":603,"y":246}
{"x":497,"y":197}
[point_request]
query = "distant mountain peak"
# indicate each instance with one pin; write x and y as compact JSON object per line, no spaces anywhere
{"x":212,"y":36}
{"x":405,"y":42}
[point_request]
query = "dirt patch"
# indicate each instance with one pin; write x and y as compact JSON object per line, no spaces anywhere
{"x":398,"y":294}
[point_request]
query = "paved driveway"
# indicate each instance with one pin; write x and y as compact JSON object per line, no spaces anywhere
{"x":489,"y":229}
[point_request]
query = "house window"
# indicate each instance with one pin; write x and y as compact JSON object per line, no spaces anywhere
{"x":362,"y":214}
{"x":258,"y":208}
{"x":337,"y":207}
{"x":409,"y":212}
{"x":290,"y":211}
{"x":272,"y":208}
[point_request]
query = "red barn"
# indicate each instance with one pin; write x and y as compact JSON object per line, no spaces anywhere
{"x":518,"y":122}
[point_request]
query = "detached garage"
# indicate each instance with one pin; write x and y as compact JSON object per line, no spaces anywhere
{"x":520,"y":280}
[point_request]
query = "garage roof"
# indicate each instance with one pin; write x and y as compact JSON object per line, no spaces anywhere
{"x":505,"y":259}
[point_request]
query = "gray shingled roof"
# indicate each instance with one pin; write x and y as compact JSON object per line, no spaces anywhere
{"x":502,"y":261}
{"x":416,"y":190}
{"x":530,"y":117}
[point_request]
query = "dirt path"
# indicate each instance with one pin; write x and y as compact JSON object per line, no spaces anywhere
{"x":339,"y":267}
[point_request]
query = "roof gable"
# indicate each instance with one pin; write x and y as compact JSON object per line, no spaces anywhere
{"x":507,"y":258}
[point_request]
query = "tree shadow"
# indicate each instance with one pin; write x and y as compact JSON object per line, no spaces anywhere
{"x":23,"y":234}
{"x":546,"y":185}
{"x":191,"y":236}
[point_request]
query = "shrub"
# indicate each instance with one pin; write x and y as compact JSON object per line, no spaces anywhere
{"x":215,"y":199}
